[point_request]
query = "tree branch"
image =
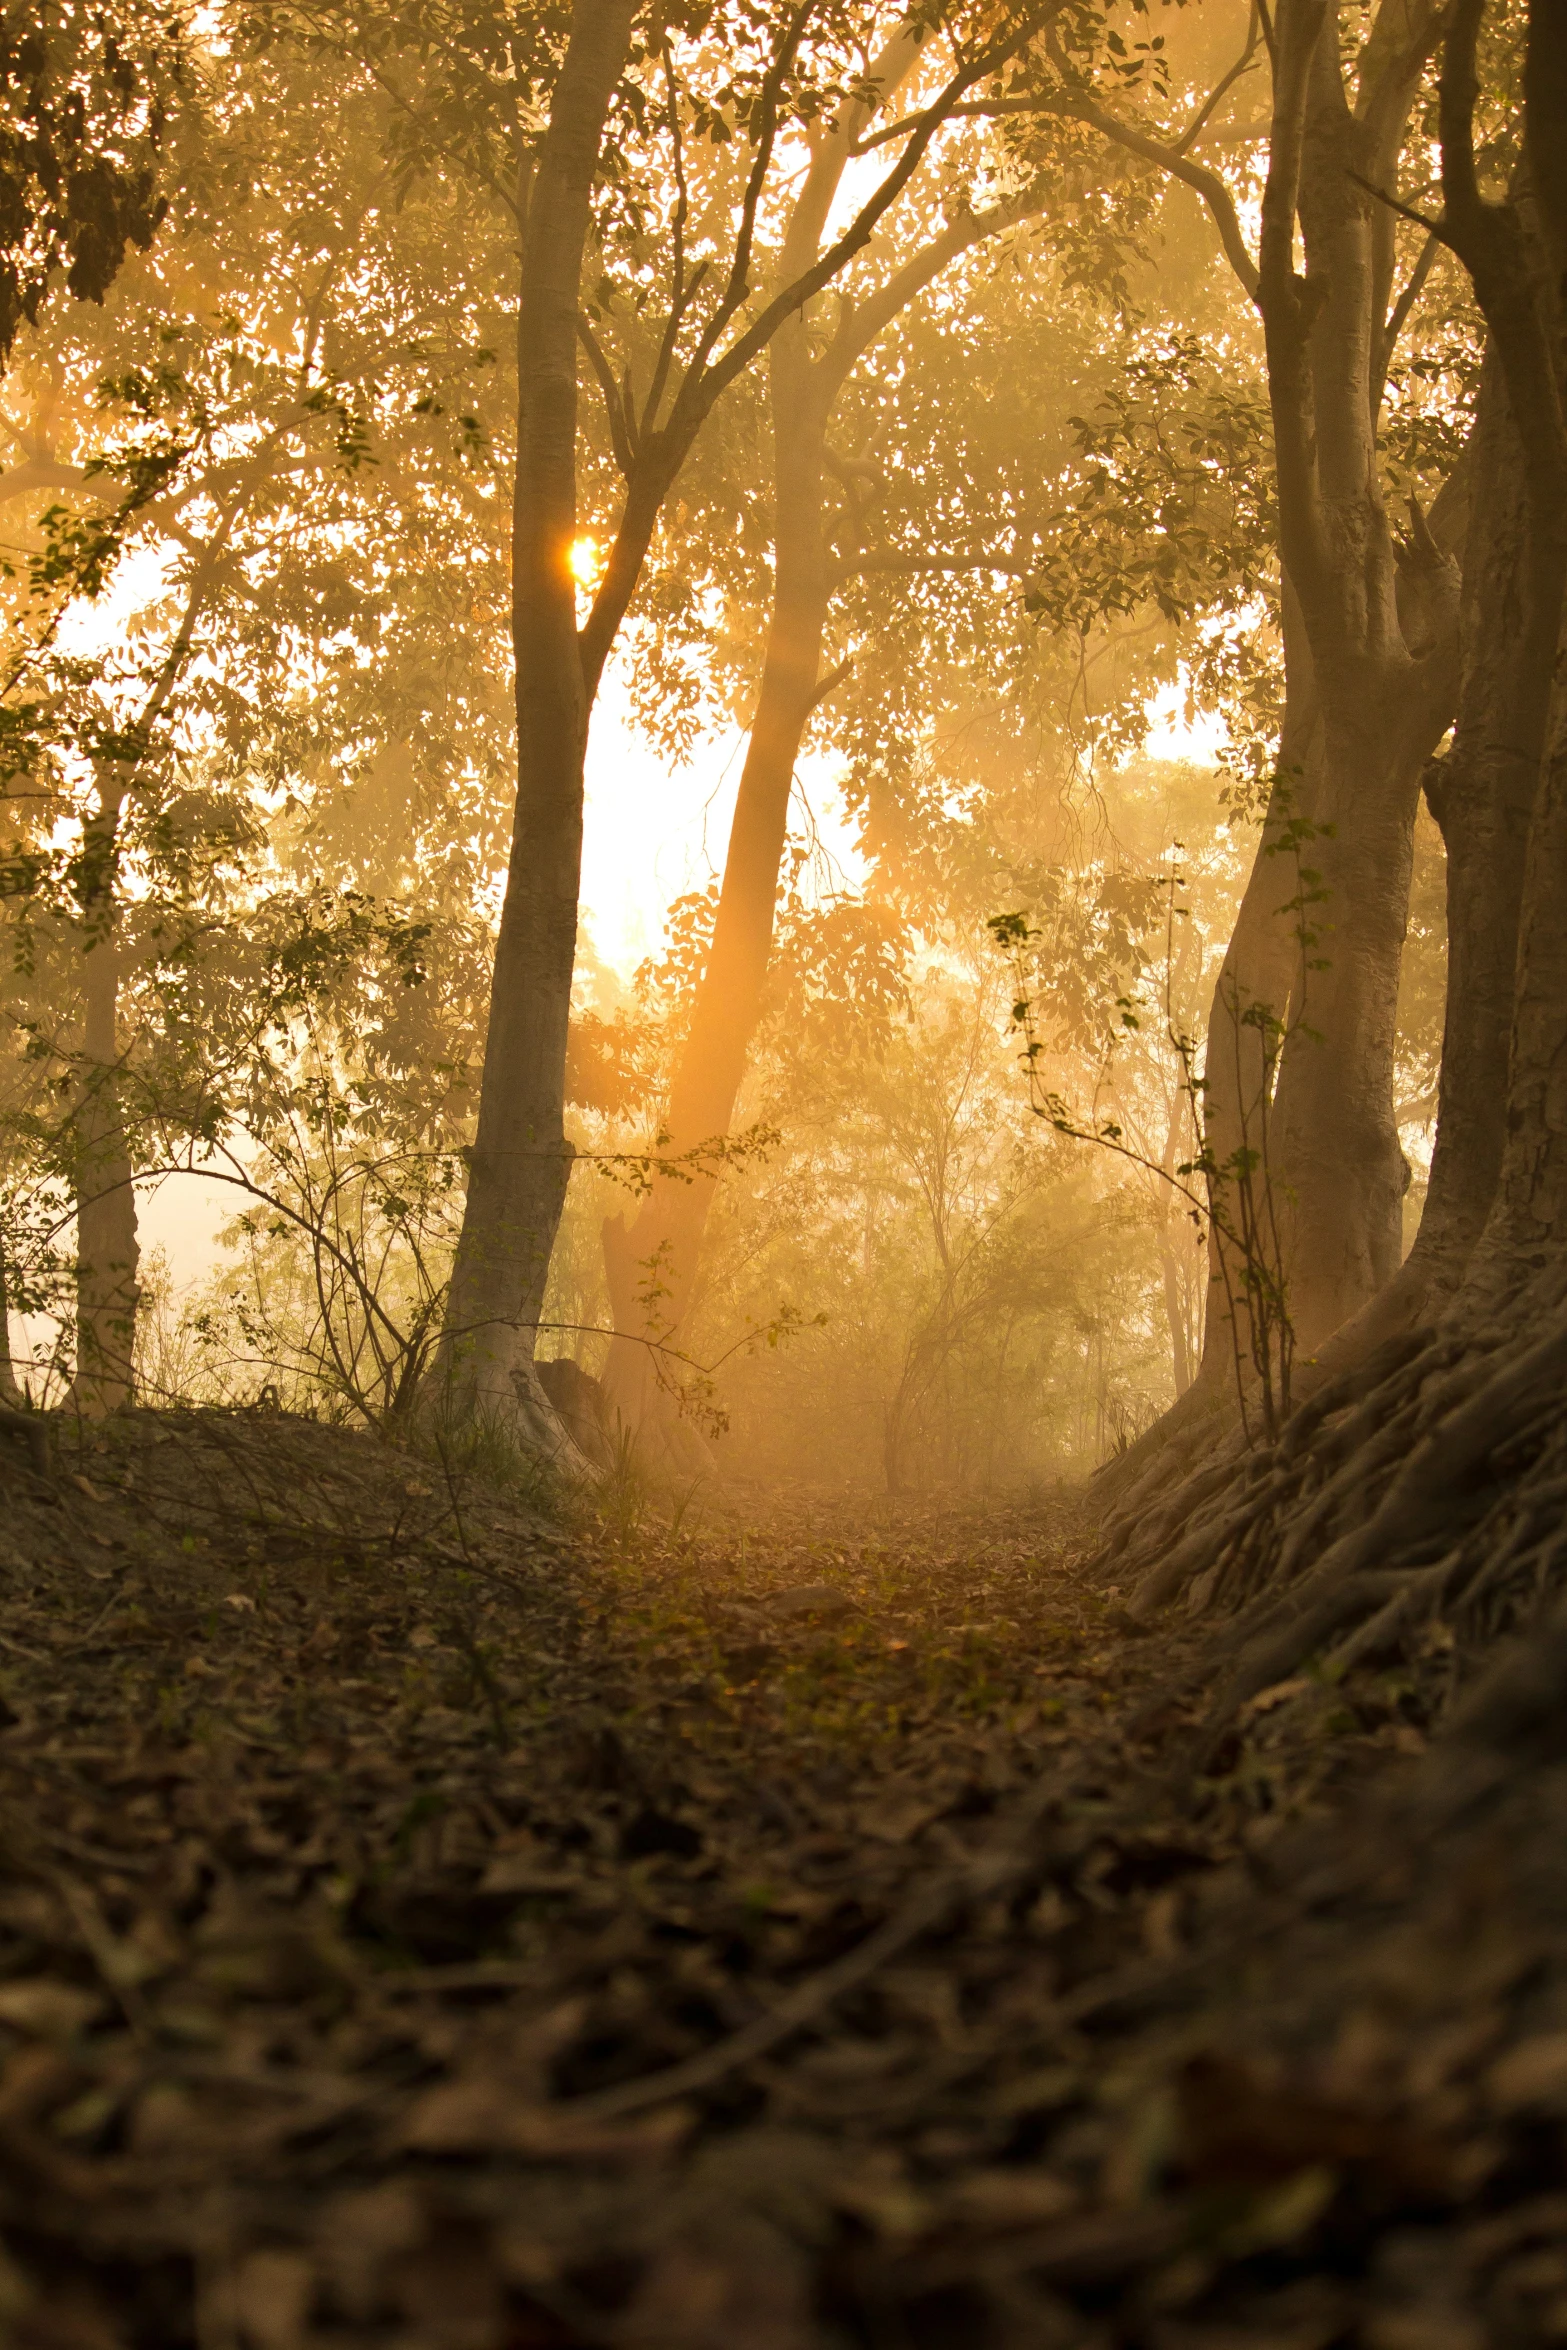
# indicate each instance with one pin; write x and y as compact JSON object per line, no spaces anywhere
{"x":1545,"y":113}
{"x":1222,"y":87}
{"x":973,"y":110}
{"x":1409,"y":212}
{"x":1174,"y":160}
{"x":861,"y":229}
{"x":831,"y":682}
{"x":1288,"y":303}
{"x":863,"y":325}
{"x":706,"y":378}
{"x":738,"y":283}
{"x":681,"y":295}
{"x":1490,"y":241}
{"x":1398,"y":316}
{"x":616,"y":406}
{"x":913,"y":566}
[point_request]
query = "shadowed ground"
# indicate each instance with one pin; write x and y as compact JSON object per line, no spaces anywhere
{"x":424,"y":1926}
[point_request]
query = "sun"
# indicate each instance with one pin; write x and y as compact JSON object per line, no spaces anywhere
{"x":583,"y":561}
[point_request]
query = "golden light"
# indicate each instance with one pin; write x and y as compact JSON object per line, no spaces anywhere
{"x":583,"y":561}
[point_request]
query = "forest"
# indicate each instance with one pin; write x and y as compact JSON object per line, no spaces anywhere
{"x":783,"y":1079}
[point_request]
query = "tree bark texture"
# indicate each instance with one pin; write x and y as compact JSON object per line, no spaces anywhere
{"x":651,"y":1268}
{"x":1380,"y":624}
{"x":1482,"y":794}
{"x":521,"y":1159}
{"x":1371,"y":656}
{"x":1400,"y":1493}
{"x":1527,"y":1227}
{"x":107,"y":1251}
{"x":663,"y":1245}
{"x":1516,"y":252}
{"x":1256,"y":980}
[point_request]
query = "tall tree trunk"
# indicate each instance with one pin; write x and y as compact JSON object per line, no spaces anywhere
{"x":1482,"y":794}
{"x":1517,"y":253}
{"x":1458,"y":1446}
{"x":651,"y":1268}
{"x":1371,"y":653}
{"x":1255,"y":984}
{"x":660,"y":1251}
{"x":1175,"y":1309}
{"x":1336,"y":1157}
{"x":1382,"y":650}
{"x":1527,"y":1226}
{"x":521,"y":1159}
{"x":107,"y":1251}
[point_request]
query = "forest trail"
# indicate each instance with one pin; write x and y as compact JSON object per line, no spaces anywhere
{"x":366,"y":1837}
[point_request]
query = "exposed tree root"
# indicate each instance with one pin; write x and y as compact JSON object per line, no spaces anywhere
{"x":1423,"y":1487}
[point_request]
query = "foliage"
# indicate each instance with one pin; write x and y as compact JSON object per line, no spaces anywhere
{"x":261,"y":544}
{"x":1235,"y":1193}
{"x":85,"y":95}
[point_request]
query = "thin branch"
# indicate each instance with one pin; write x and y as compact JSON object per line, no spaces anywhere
{"x":1207,"y":183}
{"x":861,"y":229}
{"x":616,"y":406}
{"x":861,"y":327}
{"x":1398,"y":316}
{"x":972,"y":110}
{"x":706,"y":378}
{"x":914,"y":566}
{"x":1221,"y":88}
{"x":1433,"y":228}
{"x":831,"y":682}
{"x":738,"y":284}
{"x":1490,"y":241}
{"x":1289,"y":303}
{"x":681,"y":294}
{"x":452,"y":155}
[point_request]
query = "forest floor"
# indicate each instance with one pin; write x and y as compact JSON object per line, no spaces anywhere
{"x":785,"y":1925}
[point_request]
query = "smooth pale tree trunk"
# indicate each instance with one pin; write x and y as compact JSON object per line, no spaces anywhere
{"x":1256,"y":982}
{"x":521,"y":1159}
{"x":651,"y":1268}
{"x":107,"y":1250}
{"x":661,"y":1250}
{"x":1371,"y":635}
{"x":1380,"y":623}
{"x":1339,"y":1167}
{"x":1482,"y":794}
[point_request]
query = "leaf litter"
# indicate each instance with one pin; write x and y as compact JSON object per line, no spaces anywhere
{"x":431,"y":1923}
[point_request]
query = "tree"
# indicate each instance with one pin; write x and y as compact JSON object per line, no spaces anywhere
{"x":85,"y":94}
{"x":272,"y":457}
{"x":520,"y":1162}
{"x":1369,"y":625}
{"x":804,"y":384}
{"x":1082,"y":564}
{"x":1414,"y":1487}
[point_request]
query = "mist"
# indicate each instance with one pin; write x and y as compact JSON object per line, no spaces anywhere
{"x":782,"y":1174}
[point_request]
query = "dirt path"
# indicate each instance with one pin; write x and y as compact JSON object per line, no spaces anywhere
{"x":423,"y":1928}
